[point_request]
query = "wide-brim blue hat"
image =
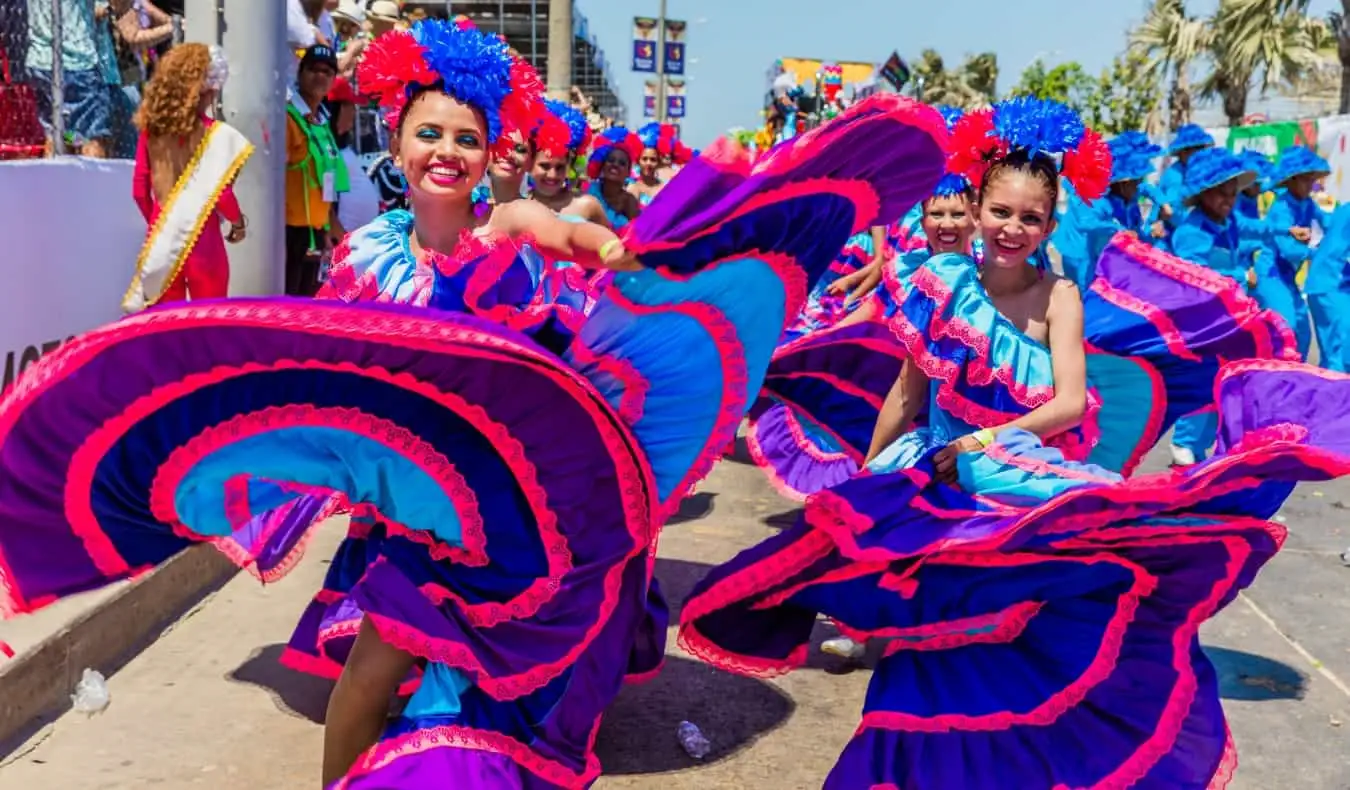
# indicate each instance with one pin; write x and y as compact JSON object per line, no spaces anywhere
{"x":1258,"y":163}
{"x":1132,"y":166}
{"x":1211,"y":168}
{"x":1133,"y":143}
{"x":1190,"y":137}
{"x":1297,"y":161}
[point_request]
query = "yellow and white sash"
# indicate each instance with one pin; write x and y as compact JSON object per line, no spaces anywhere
{"x":191,"y":204}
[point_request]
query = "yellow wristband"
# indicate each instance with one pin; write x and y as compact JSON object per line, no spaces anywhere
{"x":607,"y":246}
{"x":984,"y":436}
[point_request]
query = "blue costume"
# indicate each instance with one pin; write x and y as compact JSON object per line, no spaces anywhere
{"x":1288,"y":254}
{"x":1172,"y":185}
{"x":1276,"y":288}
{"x":1215,"y":245}
{"x":1328,"y":288}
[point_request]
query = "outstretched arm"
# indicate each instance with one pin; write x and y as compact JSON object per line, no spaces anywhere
{"x":585,"y":243}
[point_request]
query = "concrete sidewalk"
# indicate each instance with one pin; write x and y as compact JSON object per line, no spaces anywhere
{"x":209,"y":706}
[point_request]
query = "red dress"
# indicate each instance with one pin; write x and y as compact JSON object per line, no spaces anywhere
{"x":206,"y":273}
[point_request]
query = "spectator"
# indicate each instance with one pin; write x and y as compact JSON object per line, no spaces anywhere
{"x":349,"y":20}
{"x":299,"y":32}
{"x":383,"y":16}
{"x":86,"y":99}
{"x":361,"y":202}
{"x":315,"y":173}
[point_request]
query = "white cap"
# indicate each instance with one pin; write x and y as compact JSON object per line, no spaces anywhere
{"x":351,"y":11}
{"x":384,"y":10}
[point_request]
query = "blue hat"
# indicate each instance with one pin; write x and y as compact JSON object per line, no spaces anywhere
{"x":1296,"y":161}
{"x":1131,"y":166}
{"x":1190,"y":137}
{"x":1258,"y":163}
{"x":951,"y":183}
{"x":1127,"y":143}
{"x":1214,"y":167}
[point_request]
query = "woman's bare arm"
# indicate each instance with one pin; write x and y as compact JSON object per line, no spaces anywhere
{"x":898,"y":411}
{"x":580,"y":242}
{"x":1068,"y":362}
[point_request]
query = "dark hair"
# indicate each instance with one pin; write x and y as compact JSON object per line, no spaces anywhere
{"x":1040,"y":167}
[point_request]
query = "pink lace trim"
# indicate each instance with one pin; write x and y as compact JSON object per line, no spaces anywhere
{"x":1005,"y":626}
{"x":762,"y":461}
{"x":1036,"y":466}
{"x":633,"y":398}
{"x":389,"y":751}
{"x":1103,"y":664}
{"x":735,"y":383}
{"x":859,"y":192}
{"x":1155,"y":315}
{"x":431,"y":462}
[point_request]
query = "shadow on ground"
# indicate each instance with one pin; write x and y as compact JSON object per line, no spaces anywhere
{"x":638,"y":735}
{"x":784,"y":520}
{"x":294,"y":693}
{"x":693,"y":508}
{"x":1253,"y":678}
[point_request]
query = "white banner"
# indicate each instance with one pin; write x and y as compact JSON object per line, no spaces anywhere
{"x":1333,"y":142}
{"x":71,"y":233}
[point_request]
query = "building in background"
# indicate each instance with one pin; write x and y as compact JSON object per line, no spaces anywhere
{"x":524,"y":23}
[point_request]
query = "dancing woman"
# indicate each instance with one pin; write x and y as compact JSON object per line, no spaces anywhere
{"x":1037,"y":607}
{"x":186,"y":164}
{"x":561,"y":135}
{"x":505,"y":487}
{"x":655,"y":138}
{"x":613,"y":152}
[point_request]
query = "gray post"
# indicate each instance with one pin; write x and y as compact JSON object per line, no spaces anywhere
{"x":534,"y":33}
{"x":254,"y":101}
{"x":560,"y":49}
{"x":58,"y":82}
{"x":661,"y":64}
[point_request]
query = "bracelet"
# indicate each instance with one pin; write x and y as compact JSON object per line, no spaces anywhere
{"x":607,"y":246}
{"x":984,"y":436}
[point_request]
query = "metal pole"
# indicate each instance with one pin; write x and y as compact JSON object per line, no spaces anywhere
{"x":501,"y":17}
{"x":661,"y":64}
{"x":58,"y":82}
{"x":534,"y":33}
{"x":254,"y":102}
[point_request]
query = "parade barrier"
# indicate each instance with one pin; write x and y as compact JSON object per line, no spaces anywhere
{"x":69,"y":236}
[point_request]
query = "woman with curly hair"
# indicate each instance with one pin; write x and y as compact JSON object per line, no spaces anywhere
{"x":185,"y":165}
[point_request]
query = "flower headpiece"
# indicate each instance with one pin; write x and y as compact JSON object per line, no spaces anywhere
{"x":608,"y":140}
{"x":563,"y":130}
{"x":1032,"y":127}
{"x":523,"y":109}
{"x":660,"y":137}
{"x":953,"y":182}
{"x":473,"y":67}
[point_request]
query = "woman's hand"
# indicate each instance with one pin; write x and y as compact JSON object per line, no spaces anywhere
{"x":944,"y":460}
{"x":237,"y":233}
{"x":1301,"y":234}
{"x":1159,"y":230}
{"x":846,"y":283}
{"x":619,"y":258}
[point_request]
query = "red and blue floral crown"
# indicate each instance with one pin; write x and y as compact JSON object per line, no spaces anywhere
{"x":1032,"y":127}
{"x":608,"y":140}
{"x":563,"y":131}
{"x":474,"y":67}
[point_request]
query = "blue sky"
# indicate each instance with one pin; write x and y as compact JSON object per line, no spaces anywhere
{"x":733,"y":42}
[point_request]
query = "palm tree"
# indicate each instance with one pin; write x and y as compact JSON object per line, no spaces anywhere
{"x":1340,"y":25}
{"x":1171,"y":41}
{"x":971,"y":86}
{"x":1273,"y":40}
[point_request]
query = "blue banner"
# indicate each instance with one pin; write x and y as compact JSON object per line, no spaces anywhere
{"x":644,"y":44}
{"x":675,"y":57}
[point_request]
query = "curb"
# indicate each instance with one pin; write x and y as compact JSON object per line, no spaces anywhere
{"x":36,"y":686}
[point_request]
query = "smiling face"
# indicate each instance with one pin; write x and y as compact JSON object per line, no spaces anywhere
{"x":441,"y":147}
{"x":616,"y":167}
{"x":1217,"y":202}
{"x":515,"y":162}
{"x":948,"y":222}
{"x":649,"y":162}
{"x":549,"y":174}
{"x":1016,"y":215}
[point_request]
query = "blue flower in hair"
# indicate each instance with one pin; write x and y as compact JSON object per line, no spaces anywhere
{"x":951,"y":184}
{"x":1038,"y":126}
{"x":575,"y":120}
{"x":950,"y":115}
{"x":650,"y":135}
{"x":474,"y":67}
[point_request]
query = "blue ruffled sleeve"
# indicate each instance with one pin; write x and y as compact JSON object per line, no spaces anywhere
{"x":1193,"y":243}
{"x":1171,"y":186}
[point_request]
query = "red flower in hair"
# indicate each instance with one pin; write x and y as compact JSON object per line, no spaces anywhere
{"x":1088,"y":167}
{"x":391,"y":63}
{"x":974,"y":146}
{"x":552,"y":137}
{"x":523,"y":110}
